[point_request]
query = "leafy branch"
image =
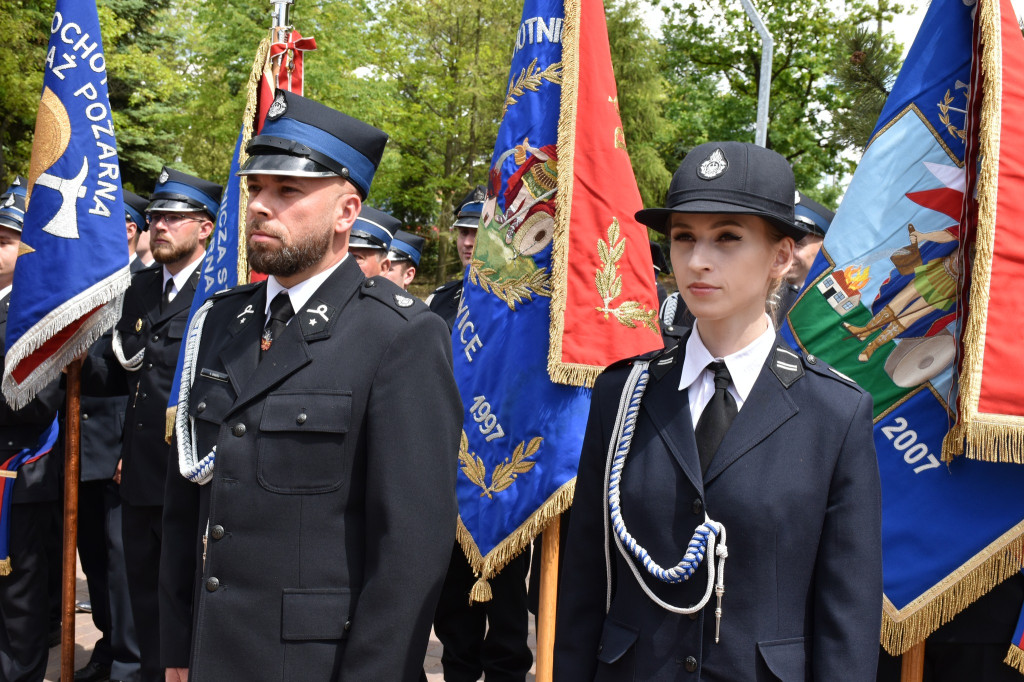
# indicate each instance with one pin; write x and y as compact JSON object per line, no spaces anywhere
{"x":504,"y":474}
{"x":609,"y":284}
{"x":512,"y":292}
{"x":531,"y":79}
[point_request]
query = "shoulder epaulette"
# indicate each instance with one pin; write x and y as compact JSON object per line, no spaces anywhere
{"x":231,"y":291}
{"x":447,"y":285}
{"x":786,"y":365}
{"x":387,"y":292}
{"x":822,"y":368}
{"x":660,"y":361}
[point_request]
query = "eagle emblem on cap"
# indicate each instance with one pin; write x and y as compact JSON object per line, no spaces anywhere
{"x":403,"y":301}
{"x":713,"y":166}
{"x":163,"y":177}
{"x":277,"y":108}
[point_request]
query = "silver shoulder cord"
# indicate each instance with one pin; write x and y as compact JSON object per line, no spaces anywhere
{"x":618,"y":447}
{"x":131,"y":364}
{"x":184,"y":427}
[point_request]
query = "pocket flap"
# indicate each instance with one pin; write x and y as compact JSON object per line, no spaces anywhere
{"x":210,"y":398}
{"x":786,"y":658}
{"x":616,"y":639}
{"x":310,"y":614}
{"x":317,"y":411}
{"x":176,"y":327}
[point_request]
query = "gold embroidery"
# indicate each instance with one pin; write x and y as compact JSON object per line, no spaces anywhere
{"x":531,"y":79}
{"x":504,"y":474}
{"x":609,"y":284}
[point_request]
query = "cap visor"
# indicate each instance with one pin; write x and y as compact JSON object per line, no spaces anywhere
{"x":172,"y":205}
{"x":471,"y":223}
{"x":285,"y":164}
{"x":658,"y":218}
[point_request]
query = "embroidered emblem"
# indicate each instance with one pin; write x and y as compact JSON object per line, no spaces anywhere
{"x":248,"y":311}
{"x":164,"y":177}
{"x":320,"y":310}
{"x":403,"y":301}
{"x":713,"y":166}
{"x":266,"y":341}
{"x":138,"y":325}
{"x":504,"y":473}
{"x":631,"y":314}
{"x":278,"y":108}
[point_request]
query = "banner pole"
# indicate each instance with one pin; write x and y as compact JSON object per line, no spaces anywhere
{"x":548,"y":600}
{"x":912,"y":664}
{"x":72,"y":443}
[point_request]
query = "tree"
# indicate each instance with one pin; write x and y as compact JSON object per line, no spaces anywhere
{"x":713,"y":62}
{"x":25,"y":26}
{"x":865,"y":72}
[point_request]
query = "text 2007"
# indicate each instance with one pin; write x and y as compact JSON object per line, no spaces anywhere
{"x":905,"y":440}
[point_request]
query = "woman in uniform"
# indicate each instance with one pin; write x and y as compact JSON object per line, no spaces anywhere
{"x":777,"y":482}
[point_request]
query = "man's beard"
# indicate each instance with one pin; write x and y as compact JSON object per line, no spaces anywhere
{"x":166,"y":254}
{"x":289,"y":259}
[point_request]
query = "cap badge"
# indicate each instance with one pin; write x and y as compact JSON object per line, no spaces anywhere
{"x":10,"y":201}
{"x":138,"y":325}
{"x":17,"y":182}
{"x":403,"y":301}
{"x":796,"y":197}
{"x":278,"y":107}
{"x":713,"y":166}
{"x":164,"y":177}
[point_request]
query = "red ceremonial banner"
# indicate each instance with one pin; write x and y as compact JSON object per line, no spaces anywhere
{"x":602,"y":257}
{"x":990,"y":414}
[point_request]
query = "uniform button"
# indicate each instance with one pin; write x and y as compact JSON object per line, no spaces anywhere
{"x":697,"y":506}
{"x":84,"y":416}
{"x":217,"y":532}
{"x":149,"y":365}
{"x":301,"y":419}
{"x":140,"y":425}
{"x":238,"y":430}
{"x":143,"y":396}
{"x":600,"y":648}
{"x":347,"y":626}
{"x":670,"y":328}
{"x":370,"y":283}
{"x":156,"y":337}
{"x":212,"y":585}
{"x":691,"y":662}
{"x":200,"y":407}
{"x":811,"y":359}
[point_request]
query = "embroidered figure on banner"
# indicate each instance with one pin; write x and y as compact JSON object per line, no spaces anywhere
{"x":504,"y":474}
{"x":506,"y":241}
{"x":609,"y":284}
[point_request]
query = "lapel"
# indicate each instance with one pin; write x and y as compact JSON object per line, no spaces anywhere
{"x":240,"y":356}
{"x":181,"y":302}
{"x":668,"y":408}
{"x":313,"y":323}
{"x":766,"y":409}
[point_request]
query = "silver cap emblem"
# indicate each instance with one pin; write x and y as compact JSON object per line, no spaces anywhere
{"x":164,"y":176}
{"x":10,"y":201}
{"x":713,"y":166}
{"x":403,"y":301}
{"x":278,"y":107}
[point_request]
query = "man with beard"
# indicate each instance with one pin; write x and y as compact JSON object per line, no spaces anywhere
{"x":146,"y":342}
{"x":311,"y":513}
{"x":370,"y":239}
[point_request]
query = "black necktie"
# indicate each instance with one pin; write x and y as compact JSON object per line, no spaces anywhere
{"x":717,"y":416}
{"x":280,"y":312}
{"x":168,"y":288}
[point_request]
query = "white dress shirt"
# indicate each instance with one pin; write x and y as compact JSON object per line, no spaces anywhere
{"x":744,"y":366}
{"x":181,"y":279}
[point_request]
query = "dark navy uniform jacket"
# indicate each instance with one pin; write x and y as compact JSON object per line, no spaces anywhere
{"x":445,"y":301}
{"x":332,"y":507}
{"x":144,"y":450}
{"x":795,"y":482}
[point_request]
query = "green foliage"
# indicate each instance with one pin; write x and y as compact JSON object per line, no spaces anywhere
{"x":25,"y":26}
{"x":865,"y":72}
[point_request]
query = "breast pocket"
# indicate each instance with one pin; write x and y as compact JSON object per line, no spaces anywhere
{"x":301,"y":441}
{"x":176,"y":328}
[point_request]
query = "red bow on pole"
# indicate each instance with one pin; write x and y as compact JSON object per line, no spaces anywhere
{"x":284,"y":70}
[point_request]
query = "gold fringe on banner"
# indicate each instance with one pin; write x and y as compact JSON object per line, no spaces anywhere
{"x":486,"y":567}
{"x":5,"y":566}
{"x":912,"y":624}
{"x":572,"y":374}
{"x":1015,"y":658}
{"x":248,"y":126}
{"x":984,"y":441}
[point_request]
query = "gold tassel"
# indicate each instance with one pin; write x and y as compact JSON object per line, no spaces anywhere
{"x":489,"y":566}
{"x":5,"y":566}
{"x":998,"y":561}
{"x":1015,"y":658}
{"x":172,"y":415}
{"x":481,"y":591}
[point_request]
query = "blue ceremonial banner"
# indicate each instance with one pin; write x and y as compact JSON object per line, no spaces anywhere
{"x":560,"y":284}
{"x":74,"y":263}
{"x":883,"y":304}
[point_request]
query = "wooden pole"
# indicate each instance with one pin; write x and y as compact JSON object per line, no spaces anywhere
{"x":72,"y":443}
{"x":548,"y":600}
{"x":912,"y":664}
